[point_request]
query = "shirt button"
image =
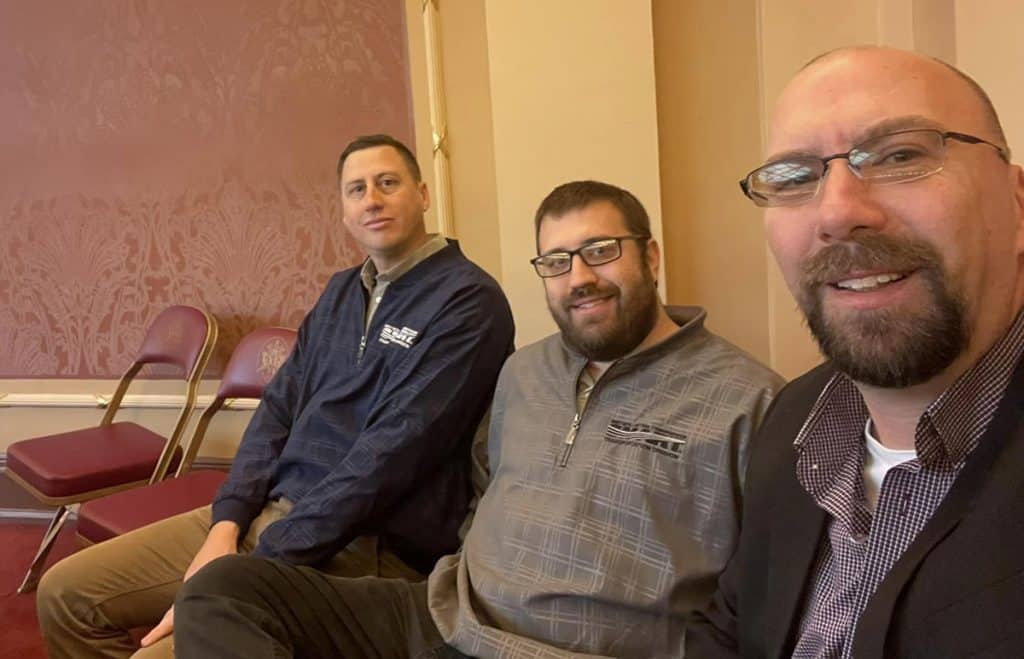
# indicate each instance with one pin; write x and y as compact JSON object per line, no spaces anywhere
{"x":814,"y":466}
{"x":377,"y":300}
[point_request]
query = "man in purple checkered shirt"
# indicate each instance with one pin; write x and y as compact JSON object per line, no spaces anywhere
{"x":883,"y":514}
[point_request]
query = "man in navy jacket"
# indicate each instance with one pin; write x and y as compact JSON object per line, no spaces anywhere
{"x":357,"y":460}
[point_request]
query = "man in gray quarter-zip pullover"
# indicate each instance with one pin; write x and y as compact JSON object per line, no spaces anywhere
{"x":616,"y":449}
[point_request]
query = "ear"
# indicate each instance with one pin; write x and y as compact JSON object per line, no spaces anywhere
{"x":424,"y":195}
{"x":1016,"y":175}
{"x":653,"y":257}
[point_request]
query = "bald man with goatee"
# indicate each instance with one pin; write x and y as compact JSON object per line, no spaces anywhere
{"x":883,"y":515}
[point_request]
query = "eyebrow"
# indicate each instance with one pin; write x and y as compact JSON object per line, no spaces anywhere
{"x":877,"y":129}
{"x":374,"y":176}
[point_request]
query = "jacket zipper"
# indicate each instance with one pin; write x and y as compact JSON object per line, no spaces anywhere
{"x":570,"y":439}
{"x":362,"y":347}
{"x":574,"y":428}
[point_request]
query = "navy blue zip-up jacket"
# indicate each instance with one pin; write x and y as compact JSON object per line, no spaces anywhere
{"x":375,"y":440}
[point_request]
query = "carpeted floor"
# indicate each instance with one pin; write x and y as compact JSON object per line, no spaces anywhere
{"x":19,"y":630}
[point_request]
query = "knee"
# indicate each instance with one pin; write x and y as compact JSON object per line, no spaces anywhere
{"x":229,"y":576}
{"x":57,"y":592}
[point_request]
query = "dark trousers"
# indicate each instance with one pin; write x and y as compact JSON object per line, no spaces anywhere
{"x":248,"y":607}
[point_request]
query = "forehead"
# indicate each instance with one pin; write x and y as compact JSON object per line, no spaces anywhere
{"x":600,"y":219}
{"x":372,"y":161}
{"x":829,"y":105}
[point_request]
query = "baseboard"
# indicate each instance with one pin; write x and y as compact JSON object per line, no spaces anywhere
{"x":16,"y":505}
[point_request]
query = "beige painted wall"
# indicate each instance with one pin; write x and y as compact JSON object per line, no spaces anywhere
{"x":470,"y":131}
{"x":709,"y":135}
{"x":572,"y":96}
{"x":990,"y":49}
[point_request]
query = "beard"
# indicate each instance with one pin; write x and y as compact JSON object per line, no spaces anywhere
{"x":636,"y":313}
{"x":886,"y":347}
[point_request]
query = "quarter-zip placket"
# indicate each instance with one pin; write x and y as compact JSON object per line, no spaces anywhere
{"x":577,"y":419}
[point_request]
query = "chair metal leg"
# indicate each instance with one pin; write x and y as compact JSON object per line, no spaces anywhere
{"x":34,"y":570}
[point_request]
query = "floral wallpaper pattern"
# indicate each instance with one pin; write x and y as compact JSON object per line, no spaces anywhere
{"x":154,"y":153}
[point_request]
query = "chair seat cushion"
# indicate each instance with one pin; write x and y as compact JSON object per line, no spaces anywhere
{"x":114,"y":515}
{"x":86,"y":460}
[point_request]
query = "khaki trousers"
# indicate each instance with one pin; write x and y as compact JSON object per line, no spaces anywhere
{"x":88,"y":602}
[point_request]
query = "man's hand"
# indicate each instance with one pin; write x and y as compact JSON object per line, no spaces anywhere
{"x":221,"y":541}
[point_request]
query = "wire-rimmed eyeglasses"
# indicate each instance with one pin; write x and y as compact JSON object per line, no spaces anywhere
{"x":899,"y":157}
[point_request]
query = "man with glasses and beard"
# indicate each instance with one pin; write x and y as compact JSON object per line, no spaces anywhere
{"x":617,"y":450}
{"x":883,"y":509}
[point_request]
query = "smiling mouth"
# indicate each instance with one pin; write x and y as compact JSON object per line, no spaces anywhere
{"x":869,"y":282}
{"x":589,"y":303}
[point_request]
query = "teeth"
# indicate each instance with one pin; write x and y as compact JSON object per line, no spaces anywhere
{"x":873,"y":281}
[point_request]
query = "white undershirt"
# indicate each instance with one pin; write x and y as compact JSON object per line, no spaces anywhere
{"x":878,"y":460}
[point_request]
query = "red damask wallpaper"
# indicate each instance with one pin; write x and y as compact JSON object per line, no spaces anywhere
{"x":154,"y":153}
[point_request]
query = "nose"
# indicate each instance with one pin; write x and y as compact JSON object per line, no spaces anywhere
{"x":580,"y":274}
{"x":373,"y":196}
{"x":846,"y":204}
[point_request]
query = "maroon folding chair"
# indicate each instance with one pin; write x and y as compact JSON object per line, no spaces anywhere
{"x":73,"y":467}
{"x":252,"y":364}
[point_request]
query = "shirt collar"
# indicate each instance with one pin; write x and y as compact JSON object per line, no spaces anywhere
{"x":962,"y":413}
{"x":370,"y":277}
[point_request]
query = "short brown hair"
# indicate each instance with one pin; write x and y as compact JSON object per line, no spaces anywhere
{"x":580,"y":194}
{"x":371,"y":141}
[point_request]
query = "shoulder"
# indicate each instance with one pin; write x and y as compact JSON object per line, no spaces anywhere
{"x":546,"y":359}
{"x":340,"y":282}
{"x":710,"y":358}
{"x":449,"y":274}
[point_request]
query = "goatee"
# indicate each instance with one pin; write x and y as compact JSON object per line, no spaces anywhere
{"x":886,"y":347}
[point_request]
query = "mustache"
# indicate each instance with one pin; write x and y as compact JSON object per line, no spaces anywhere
{"x":868,"y":252}
{"x":588,"y":290}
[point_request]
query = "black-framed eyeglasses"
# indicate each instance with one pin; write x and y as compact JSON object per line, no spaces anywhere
{"x":596,"y":252}
{"x":899,"y":157}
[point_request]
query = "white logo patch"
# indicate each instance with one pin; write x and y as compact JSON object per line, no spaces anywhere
{"x":403,"y":337}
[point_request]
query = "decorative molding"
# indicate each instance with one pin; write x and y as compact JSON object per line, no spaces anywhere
{"x":438,"y":119}
{"x":143,"y":401}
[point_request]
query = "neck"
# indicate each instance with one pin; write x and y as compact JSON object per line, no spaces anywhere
{"x":895,"y":412}
{"x":386,"y":261}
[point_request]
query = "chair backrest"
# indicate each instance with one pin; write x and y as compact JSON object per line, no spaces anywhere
{"x":182,"y":336}
{"x":178,"y":336}
{"x":252,"y":365}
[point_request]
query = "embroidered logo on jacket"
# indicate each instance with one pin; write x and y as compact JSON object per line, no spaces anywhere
{"x":403,"y":337}
{"x":659,"y":440}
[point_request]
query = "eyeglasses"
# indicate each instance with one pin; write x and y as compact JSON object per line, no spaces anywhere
{"x":597,"y":252}
{"x":899,"y":157}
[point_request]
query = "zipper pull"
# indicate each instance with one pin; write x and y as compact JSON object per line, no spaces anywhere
{"x":570,"y":438}
{"x":362,"y":347}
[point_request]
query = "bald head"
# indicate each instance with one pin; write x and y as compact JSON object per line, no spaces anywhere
{"x":987,"y":108}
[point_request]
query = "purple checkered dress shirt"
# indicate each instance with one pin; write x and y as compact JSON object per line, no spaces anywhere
{"x":861,"y":547}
